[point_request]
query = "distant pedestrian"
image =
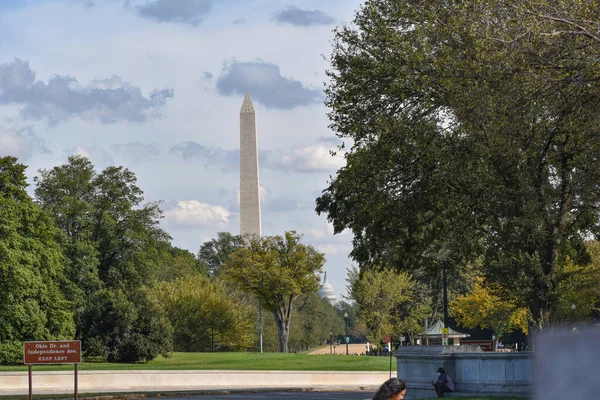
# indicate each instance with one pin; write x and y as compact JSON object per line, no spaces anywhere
{"x":392,"y":389}
{"x":444,"y":383}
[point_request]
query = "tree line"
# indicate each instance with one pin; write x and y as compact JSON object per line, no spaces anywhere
{"x":86,"y":259}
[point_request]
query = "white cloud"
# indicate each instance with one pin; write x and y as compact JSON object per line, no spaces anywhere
{"x":188,"y":12}
{"x":267,"y":85}
{"x":105,"y":100}
{"x":194,"y":213}
{"x":312,"y":158}
{"x":96,"y":154}
{"x":299,"y":158}
{"x":20,"y":143}
{"x":321,"y":232}
{"x":296,"y":16}
{"x":136,"y":151}
{"x":330,"y":248}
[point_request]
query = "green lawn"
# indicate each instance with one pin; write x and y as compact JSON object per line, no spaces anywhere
{"x":237,"y":361}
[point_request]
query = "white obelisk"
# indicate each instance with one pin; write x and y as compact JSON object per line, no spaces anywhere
{"x":249,"y":183}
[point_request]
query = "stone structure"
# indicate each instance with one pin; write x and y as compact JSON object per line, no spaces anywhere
{"x":326,"y":291}
{"x":472,"y":370}
{"x":249,"y":183}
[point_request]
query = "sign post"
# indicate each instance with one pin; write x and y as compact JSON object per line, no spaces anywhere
{"x":388,"y":340}
{"x":52,"y":352}
{"x":444,"y":336}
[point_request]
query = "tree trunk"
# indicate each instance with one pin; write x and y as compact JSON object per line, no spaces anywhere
{"x":283,"y":317}
{"x":535,"y":323}
{"x":283,"y":331}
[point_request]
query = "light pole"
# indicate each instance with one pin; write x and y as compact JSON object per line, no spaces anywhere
{"x":442,"y":256}
{"x":444,"y":267}
{"x":573,"y":307}
{"x":346,"y":318}
{"x":330,"y":342}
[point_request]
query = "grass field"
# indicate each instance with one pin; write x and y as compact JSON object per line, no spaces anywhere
{"x":236,"y":361}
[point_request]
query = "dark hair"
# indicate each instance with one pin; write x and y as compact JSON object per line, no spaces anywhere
{"x":390,"y":388}
{"x":441,"y":370}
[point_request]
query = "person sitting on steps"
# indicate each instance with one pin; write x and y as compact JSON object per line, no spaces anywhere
{"x":443,"y":384}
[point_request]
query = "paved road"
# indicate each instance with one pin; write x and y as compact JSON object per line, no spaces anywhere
{"x":279,"y":396}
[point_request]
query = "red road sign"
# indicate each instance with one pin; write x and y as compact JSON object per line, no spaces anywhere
{"x":54,"y":352}
{"x":387,"y":339}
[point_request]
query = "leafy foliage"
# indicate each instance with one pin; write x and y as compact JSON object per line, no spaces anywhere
{"x":470,"y":126}
{"x":214,"y":253}
{"x":206,"y":315}
{"x":578,"y":284}
{"x":484,"y":307}
{"x":388,"y":302}
{"x":314,"y":321}
{"x":168,"y":263}
{"x":276,"y":270}
{"x":32,"y":306}
{"x":107,"y":230}
{"x":124,"y":327}
{"x":113,"y":245}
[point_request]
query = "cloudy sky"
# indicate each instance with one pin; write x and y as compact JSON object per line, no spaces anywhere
{"x":157,"y":86}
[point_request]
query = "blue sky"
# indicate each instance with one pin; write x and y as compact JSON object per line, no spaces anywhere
{"x":157,"y":85}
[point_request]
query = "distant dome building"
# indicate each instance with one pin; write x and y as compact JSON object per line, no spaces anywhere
{"x":326,"y":291}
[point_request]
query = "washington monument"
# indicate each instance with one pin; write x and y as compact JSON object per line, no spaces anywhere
{"x":249,"y":183}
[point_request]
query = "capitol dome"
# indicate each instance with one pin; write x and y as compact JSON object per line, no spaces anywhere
{"x":326,"y":291}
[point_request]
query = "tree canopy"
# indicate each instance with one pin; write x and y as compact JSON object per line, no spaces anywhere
{"x":112,"y":245}
{"x":276,"y":270}
{"x":388,"y":302}
{"x":484,"y":307}
{"x":214,"y":253}
{"x":32,"y":304}
{"x":472,"y":127}
{"x":206,"y":315}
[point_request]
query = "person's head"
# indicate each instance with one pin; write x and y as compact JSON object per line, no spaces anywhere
{"x":392,"y":389}
{"x":440,"y":371}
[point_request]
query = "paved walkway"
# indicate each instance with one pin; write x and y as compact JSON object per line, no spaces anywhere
{"x":353,"y":348}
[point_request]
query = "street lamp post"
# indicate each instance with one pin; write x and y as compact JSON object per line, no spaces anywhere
{"x":573,"y":307}
{"x":445,"y":278}
{"x":346,"y":318}
{"x":330,"y":342}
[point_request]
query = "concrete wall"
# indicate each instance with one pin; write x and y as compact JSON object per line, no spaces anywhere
{"x":132,"y":381}
{"x":472,"y":370}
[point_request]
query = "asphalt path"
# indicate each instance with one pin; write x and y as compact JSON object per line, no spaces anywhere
{"x":364,"y":395}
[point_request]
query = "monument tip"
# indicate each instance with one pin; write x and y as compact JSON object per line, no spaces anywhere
{"x":247,"y":104}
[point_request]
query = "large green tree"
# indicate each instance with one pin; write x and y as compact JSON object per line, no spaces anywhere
{"x":470,"y":127}
{"x":32,"y":306}
{"x":276,"y":270}
{"x":124,"y":326}
{"x":214,"y":253}
{"x":388,"y":302}
{"x":207,"y":315}
{"x":109,"y":232}
{"x":314,"y":321}
{"x":112,"y":243}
